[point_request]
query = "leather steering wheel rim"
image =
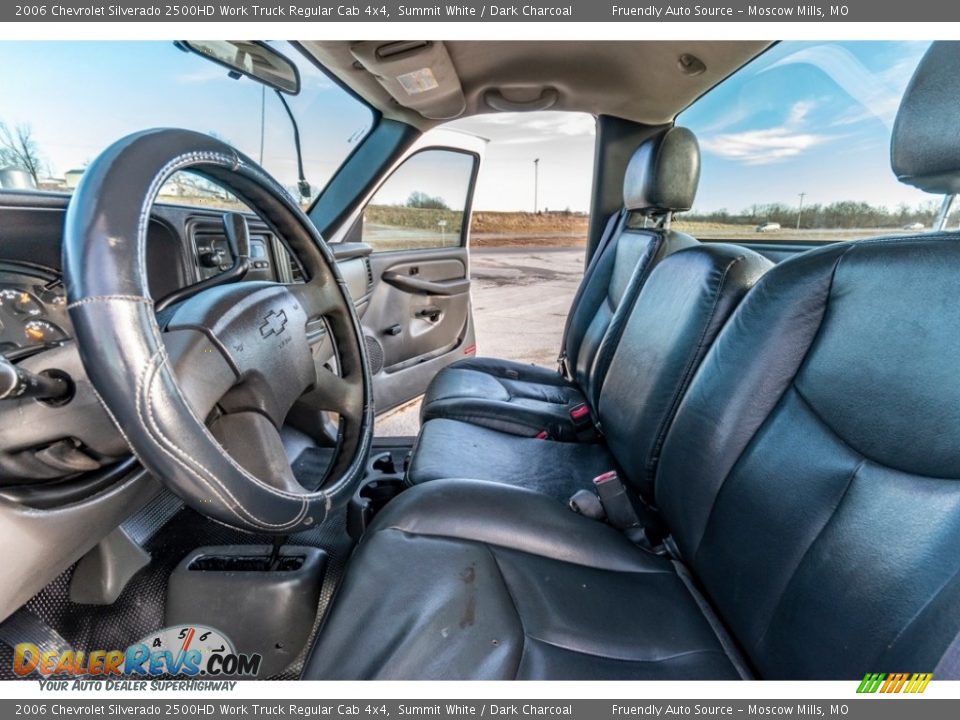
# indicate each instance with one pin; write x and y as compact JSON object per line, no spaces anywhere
{"x":161,"y":386}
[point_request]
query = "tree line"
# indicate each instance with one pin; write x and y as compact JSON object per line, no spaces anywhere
{"x":18,"y":149}
{"x":844,"y":214}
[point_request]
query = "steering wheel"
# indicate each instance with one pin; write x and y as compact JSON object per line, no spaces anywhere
{"x":201,"y":401}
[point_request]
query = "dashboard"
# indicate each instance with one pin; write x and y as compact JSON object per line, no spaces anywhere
{"x":184,"y":246}
{"x":33,"y":310}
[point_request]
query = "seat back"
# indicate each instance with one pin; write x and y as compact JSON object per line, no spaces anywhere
{"x":661,"y":178}
{"x":682,"y":306}
{"x":810,"y":477}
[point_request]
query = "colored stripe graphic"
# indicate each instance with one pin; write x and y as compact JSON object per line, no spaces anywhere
{"x":893,"y":683}
{"x":871,"y":682}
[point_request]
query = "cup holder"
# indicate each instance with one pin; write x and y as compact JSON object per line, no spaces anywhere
{"x":263,"y":599}
{"x":384,"y":464}
{"x":370,"y":499}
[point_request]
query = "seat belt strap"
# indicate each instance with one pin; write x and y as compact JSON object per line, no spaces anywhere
{"x":609,"y":231}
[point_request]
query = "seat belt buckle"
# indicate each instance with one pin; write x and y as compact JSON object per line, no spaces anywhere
{"x":616,"y":502}
{"x":583,"y":425}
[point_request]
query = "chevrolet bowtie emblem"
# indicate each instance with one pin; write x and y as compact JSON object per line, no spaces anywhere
{"x":274,"y":323}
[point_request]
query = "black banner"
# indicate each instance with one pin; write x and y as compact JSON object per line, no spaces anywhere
{"x":213,"y":709}
{"x":474,"y":11}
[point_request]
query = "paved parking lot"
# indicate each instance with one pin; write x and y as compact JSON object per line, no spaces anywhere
{"x":520,"y":302}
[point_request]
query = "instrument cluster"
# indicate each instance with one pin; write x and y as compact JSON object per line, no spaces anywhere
{"x":33,"y":311}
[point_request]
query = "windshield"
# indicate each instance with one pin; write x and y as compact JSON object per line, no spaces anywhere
{"x":796,"y":145}
{"x":67,"y":101}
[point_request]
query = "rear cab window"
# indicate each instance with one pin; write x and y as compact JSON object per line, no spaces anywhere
{"x":795,"y":147}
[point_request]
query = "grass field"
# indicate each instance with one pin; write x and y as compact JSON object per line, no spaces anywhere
{"x":421,"y":226}
{"x":525,"y":229}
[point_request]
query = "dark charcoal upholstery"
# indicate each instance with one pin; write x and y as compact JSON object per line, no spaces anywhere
{"x":681,"y":308}
{"x":664,"y":173}
{"x":811,"y":481}
{"x":517,"y":587}
{"x":926,"y":154}
{"x":810,"y":477}
{"x":452,"y":448}
{"x":525,"y":400}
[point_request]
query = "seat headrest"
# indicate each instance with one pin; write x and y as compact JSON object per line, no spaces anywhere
{"x":925,"y":147}
{"x":663,"y":173}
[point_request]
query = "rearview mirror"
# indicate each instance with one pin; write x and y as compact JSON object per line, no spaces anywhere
{"x":255,"y":60}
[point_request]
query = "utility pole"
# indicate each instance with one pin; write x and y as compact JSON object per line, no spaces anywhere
{"x":263,"y":117}
{"x":800,"y":211}
{"x":536,"y":185}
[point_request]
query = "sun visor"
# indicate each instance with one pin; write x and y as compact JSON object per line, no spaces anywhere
{"x":418,"y":74}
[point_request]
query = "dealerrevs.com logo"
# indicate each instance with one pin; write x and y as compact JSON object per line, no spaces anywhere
{"x":186,"y":651}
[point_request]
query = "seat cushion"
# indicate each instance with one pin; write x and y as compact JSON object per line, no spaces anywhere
{"x":466,"y":580}
{"x":509,"y":396}
{"x":450,"y":448}
{"x":683,"y":305}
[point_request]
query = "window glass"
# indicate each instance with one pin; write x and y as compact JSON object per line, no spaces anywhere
{"x":422,"y":204}
{"x":73,"y":99}
{"x":796,"y":146}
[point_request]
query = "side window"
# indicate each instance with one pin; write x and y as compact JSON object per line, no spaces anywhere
{"x":422,"y":204}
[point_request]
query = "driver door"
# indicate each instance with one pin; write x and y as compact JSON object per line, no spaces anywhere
{"x":412,"y":233}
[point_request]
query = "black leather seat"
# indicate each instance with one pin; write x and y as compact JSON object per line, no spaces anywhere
{"x":465,"y":579}
{"x":682,"y":306}
{"x":810,"y":480}
{"x":522,"y":399}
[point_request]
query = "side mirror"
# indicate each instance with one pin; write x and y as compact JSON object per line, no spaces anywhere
{"x":255,"y":60}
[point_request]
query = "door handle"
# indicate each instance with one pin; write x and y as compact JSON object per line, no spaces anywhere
{"x":431,"y":313}
{"x":417,"y":285}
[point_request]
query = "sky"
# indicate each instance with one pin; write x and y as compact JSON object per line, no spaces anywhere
{"x":811,"y":118}
{"x":563,"y":142}
{"x":79,"y":97}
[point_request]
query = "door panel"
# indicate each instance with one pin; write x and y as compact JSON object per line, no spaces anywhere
{"x":417,"y":315}
{"x":415,"y":332}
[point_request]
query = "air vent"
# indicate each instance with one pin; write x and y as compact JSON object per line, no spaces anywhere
{"x":287,"y":269}
{"x":296,"y":274}
{"x":366,"y":264}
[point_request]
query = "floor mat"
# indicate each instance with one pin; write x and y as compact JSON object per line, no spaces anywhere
{"x":140,"y":608}
{"x":169,"y":531}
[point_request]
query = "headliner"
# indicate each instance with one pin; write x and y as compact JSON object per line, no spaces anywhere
{"x":639,"y":80}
